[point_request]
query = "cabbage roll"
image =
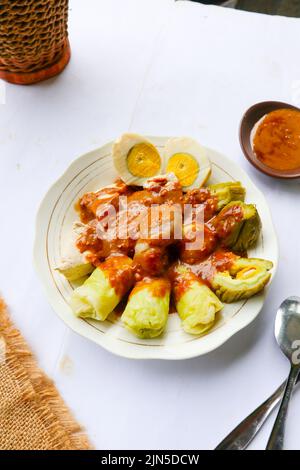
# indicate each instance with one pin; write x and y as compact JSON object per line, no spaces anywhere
{"x":245,"y":278}
{"x":238,"y":226}
{"x":195,"y":303}
{"x":227,"y":192}
{"x":103,"y":290}
{"x":147,"y":310}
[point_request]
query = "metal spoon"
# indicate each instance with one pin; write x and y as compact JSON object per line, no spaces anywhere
{"x":243,"y":434}
{"x":287,"y":333}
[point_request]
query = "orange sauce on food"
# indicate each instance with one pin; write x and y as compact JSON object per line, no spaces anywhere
{"x":205,"y":198}
{"x":89,"y":203}
{"x":206,"y":245}
{"x":159,"y":287}
{"x":181,"y":284}
{"x":277,"y":140}
{"x":152,"y":262}
{"x":203,"y":272}
{"x":220,"y":260}
{"x":120,"y":273}
{"x":226,"y":221}
{"x":154,"y":267}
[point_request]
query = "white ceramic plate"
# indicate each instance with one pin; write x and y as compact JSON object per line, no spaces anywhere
{"x":53,"y":237}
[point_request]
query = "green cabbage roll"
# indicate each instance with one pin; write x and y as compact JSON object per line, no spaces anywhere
{"x":195,"y":303}
{"x":103,"y":290}
{"x":245,"y":278}
{"x":227,"y":192}
{"x":147,"y":309}
{"x":238,"y":226}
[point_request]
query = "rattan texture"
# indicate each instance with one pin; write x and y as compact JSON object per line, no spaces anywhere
{"x":33,"y":34}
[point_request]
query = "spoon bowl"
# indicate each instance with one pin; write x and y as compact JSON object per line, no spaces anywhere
{"x":287,"y":326}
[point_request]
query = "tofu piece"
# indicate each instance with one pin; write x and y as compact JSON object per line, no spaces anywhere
{"x":75,"y":267}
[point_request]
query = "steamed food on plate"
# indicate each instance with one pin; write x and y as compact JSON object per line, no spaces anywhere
{"x":227,"y":192}
{"x":195,"y":303}
{"x":147,"y":309}
{"x":154,"y":242}
{"x":102,"y":291}
{"x":238,"y":226}
{"x":244,"y":278}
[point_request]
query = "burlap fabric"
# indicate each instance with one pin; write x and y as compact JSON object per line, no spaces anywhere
{"x":33,"y":416}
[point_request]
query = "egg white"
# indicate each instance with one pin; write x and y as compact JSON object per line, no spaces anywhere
{"x":120,"y":151}
{"x":194,"y":149}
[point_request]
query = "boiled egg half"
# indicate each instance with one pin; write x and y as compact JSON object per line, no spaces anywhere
{"x":136,"y":159}
{"x":188,"y":160}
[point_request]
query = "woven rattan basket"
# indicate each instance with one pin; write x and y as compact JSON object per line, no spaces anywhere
{"x":34,"y":42}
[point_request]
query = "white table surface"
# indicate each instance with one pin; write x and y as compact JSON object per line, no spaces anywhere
{"x":161,"y":68}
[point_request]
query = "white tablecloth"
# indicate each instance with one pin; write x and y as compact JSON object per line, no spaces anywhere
{"x":163,"y":68}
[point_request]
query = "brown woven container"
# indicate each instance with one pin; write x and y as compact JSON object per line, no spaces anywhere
{"x":34,"y":42}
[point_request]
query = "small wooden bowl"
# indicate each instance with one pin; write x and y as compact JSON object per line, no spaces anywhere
{"x":250,"y":118}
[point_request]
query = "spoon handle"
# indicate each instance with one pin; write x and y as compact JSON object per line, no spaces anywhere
{"x":277,"y":435}
{"x":242,"y":435}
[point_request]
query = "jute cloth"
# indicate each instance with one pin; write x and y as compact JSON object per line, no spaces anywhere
{"x":33,"y":416}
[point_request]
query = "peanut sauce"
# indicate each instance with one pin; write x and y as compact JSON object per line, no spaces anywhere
{"x":119,"y":270}
{"x":182,"y":284}
{"x":159,"y":287}
{"x":277,"y":140}
{"x":225,"y":222}
{"x":207,"y":244}
{"x":88,"y":204}
{"x":202,"y":196}
{"x":220,"y":260}
{"x":151,"y":267}
{"x":153,"y":262}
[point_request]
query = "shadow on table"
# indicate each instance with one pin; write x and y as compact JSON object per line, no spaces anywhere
{"x":271,"y":7}
{"x":235,"y":348}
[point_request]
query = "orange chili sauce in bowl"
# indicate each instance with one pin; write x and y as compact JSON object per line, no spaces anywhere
{"x":276,"y":141}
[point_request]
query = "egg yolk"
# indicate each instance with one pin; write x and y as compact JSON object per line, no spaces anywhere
{"x":247,"y":272}
{"x":185,"y":167}
{"x":143,"y":160}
